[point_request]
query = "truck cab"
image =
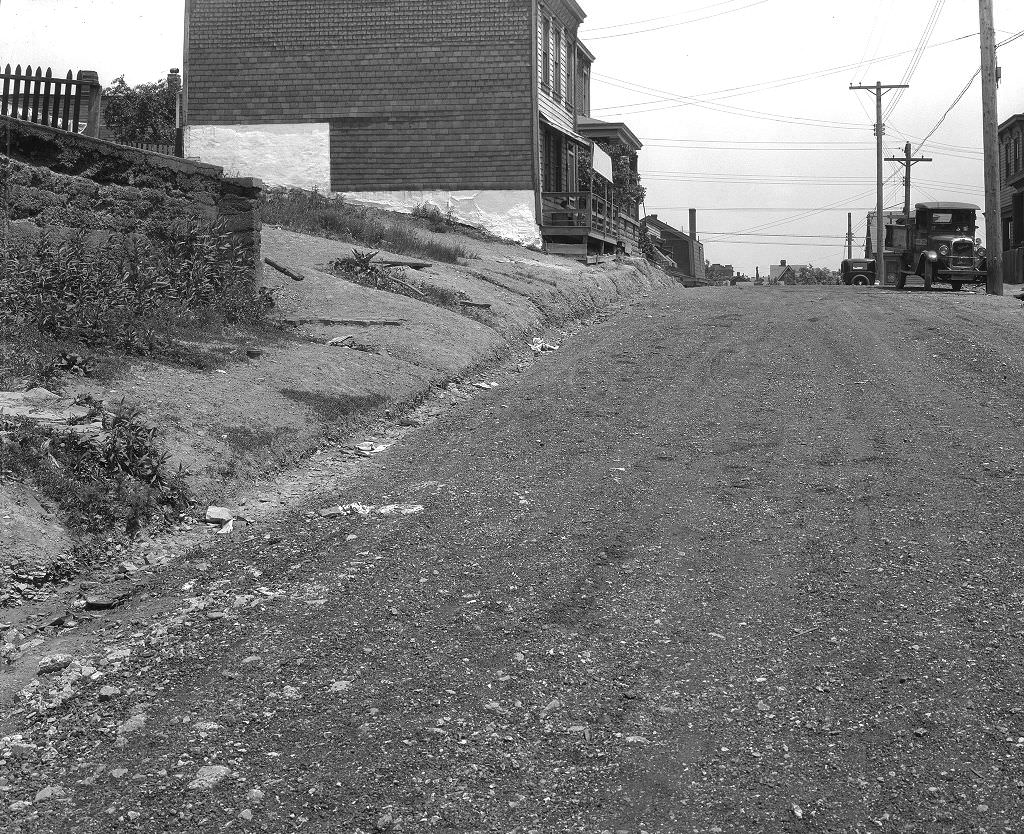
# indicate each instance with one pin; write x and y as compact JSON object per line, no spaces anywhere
{"x":943,"y":246}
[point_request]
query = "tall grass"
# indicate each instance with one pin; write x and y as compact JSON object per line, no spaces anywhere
{"x":316,"y":214}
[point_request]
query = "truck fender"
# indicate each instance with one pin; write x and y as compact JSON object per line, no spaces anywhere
{"x":931,"y":255}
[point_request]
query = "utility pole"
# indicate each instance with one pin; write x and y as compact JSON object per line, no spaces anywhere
{"x":880,"y":89}
{"x":849,"y":235}
{"x":990,"y":117}
{"x":909,"y":160}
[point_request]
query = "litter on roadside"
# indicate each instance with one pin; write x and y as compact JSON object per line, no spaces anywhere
{"x":340,"y":341}
{"x":367,"y":510}
{"x":367,"y":449}
{"x":485,"y":385}
{"x":221,"y":516}
{"x":538,"y":345}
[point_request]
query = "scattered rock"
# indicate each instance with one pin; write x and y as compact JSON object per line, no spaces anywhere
{"x":132,"y":725}
{"x":104,"y":601}
{"x":219,"y":515}
{"x":54,"y":663}
{"x":20,"y":805}
{"x":209,"y":777}
{"x":255,"y":795}
{"x":385,"y":822}
{"x":108,"y":692}
{"x":246,"y":814}
{"x":51,"y":792}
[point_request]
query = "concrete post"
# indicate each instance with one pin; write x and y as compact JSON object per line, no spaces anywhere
{"x":95,"y":99}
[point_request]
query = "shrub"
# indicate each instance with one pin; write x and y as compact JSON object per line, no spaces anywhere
{"x":115,"y":294}
{"x":315,"y":214}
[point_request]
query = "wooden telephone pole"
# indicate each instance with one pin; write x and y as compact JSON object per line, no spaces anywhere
{"x":849,"y":235}
{"x":990,"y":116}
{"x":910,"y":161}
{"x":880,"y":89}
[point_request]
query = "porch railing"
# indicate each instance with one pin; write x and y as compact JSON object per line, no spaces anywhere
{"x":70,"y":103}
{"x":579,"y":210}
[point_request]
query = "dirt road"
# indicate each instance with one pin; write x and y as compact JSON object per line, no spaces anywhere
{"x":737,"y":560}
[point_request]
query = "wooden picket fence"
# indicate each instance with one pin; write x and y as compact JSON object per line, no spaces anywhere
{"x":43,"y":99}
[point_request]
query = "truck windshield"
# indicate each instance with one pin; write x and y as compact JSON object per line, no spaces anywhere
{"x":961,"y":222}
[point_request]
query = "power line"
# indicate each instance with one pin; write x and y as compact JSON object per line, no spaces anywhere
{"x":587,"y":30}
{"x":915,"y":61}
{"x":732,"y":92}
{"x":962,"y":93}
{"x":681,"y":23}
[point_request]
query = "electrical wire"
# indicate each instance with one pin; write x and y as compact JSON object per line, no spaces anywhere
{"x":915,"y":61}
{"x":962,"y":93}
{"x":732,"y":92}
{"x":677,"y":25}
{"x":587,"y":30}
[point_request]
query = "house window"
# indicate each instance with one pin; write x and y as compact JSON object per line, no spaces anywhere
{"x":546,"y":53}
{"x":558,"y":63}
{"x":570,"y":79}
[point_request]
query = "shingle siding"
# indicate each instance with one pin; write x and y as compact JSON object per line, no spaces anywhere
{"x":418,"y":94}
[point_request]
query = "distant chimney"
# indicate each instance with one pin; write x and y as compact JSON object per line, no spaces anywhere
{"x":693,"y":224}
{"x":783,"y":262}
{"x":174,"y":80}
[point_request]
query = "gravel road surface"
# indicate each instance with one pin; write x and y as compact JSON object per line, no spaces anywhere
{"x":735,"y":560}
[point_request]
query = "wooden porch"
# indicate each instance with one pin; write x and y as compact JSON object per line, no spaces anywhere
{"x":580,"y":223}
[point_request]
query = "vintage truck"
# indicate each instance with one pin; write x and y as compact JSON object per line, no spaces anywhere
{"x":942,"y":246}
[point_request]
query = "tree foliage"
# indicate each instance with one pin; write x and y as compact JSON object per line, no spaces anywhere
{"x":628,"y":187}
{"x":144,"y":113}
{"x":816,"y":275}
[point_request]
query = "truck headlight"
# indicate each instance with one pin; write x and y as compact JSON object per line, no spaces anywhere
{"x":980,"y":252}
{"x":943,"y":250}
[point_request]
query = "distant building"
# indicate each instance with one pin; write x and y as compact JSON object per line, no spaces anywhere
{"x":722,"y":272}
{"x":784,"y":273}
{"x":685,"y":249}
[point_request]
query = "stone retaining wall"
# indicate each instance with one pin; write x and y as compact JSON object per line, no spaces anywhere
{"x":65,"y":182}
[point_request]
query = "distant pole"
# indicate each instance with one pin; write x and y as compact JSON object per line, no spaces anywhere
{"x":909,"y":160}
{"x":990,"y":116}
{"x":880,"y":89}
{"x":849,"y":235}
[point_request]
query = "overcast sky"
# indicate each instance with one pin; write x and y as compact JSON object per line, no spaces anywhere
{"x":743,"y":105}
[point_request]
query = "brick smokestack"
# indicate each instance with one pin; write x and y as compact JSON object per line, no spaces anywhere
{"x":693,"y":224}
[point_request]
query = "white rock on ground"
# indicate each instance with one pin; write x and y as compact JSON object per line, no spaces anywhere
{"x":208,"y":777}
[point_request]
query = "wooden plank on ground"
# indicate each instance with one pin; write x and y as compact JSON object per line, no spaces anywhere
{"x":283,"y":270}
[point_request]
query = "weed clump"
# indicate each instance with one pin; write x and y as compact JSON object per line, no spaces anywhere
{"x":361,"y":269}
{"x":436,"y":220}
{"x":316,"y":214}
{"x":107,"y":476}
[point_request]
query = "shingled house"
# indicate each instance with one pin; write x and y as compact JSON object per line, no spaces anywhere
{"x":470,"y":105}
